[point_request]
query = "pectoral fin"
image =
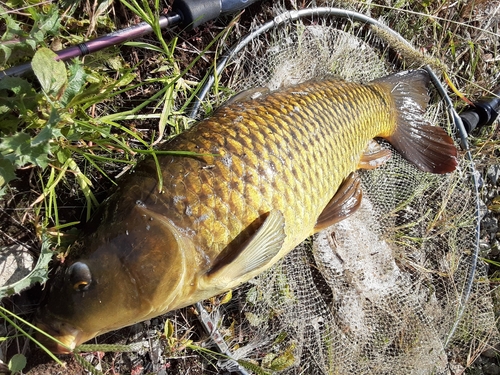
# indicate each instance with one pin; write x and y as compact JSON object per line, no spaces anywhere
{"x":374,"y":156}
{"x":256,"y":253}
{"x":344,"y":203}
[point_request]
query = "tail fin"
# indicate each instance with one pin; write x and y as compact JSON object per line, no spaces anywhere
{"x":426,"y":146}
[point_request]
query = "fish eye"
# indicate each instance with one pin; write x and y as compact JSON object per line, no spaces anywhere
{"x":79,"y":276}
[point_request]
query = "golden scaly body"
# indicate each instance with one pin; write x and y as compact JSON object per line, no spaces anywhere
{"x":288,"y":151}
{"x":266,"y":170}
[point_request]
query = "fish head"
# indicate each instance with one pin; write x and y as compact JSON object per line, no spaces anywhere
{"x":126,"y":272}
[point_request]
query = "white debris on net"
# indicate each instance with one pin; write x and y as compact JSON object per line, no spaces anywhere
{"x":15,"y":263}
{"x":371,"y":262}
{"x":353,"y":250}
{"x":374,"y":292}
{"x":210,"y":326}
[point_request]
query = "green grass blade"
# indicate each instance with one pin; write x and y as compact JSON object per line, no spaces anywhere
{"x":4,"y":314}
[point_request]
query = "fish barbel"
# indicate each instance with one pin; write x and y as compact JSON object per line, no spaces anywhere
{"x":271,"y":170}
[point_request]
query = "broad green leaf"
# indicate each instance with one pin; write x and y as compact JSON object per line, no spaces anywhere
{"x":19,"y":150}
{"x":49,"y":131}
{"x":62,"y":155}
{"x":125,"y":79}
{"x":17,"y":363}
{"x":17,"y":99}
{"x":9,"y":123}
{"x":7,"y":52}
{"x":49,"y":23}
{"x":39,"y":274}
{"x":31,"y":43}
{"x":38,"y":36}
{"x":115,"y":62}
{"x":17,"y":85}
{"x":46,"y":23}
{"x":7,"y":171}
{"x":15,"y":143}
{"x":40,"y":155}
{"x":77,"y":79}
{"x":50,"y":73}
{"x":13,"y":27}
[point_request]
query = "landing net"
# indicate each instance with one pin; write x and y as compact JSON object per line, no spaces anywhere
{"x":394,"y":289}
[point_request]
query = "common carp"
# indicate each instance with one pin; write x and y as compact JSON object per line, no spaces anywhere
{"x":269,"y":171}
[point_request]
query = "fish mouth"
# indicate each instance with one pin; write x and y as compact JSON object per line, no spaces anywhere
{"x":68,"y":336}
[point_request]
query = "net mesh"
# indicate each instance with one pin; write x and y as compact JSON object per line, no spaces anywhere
{"x":380,"y":292}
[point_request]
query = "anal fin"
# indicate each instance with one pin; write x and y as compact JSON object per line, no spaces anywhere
{"x":256,"y":253}
{"x":374,"y":156}
{"x":344,"y":203}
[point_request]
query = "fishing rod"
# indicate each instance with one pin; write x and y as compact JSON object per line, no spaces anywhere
{"x":189,"y":13}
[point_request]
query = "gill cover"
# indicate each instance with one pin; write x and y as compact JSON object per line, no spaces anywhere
{"x":127,"y":272}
